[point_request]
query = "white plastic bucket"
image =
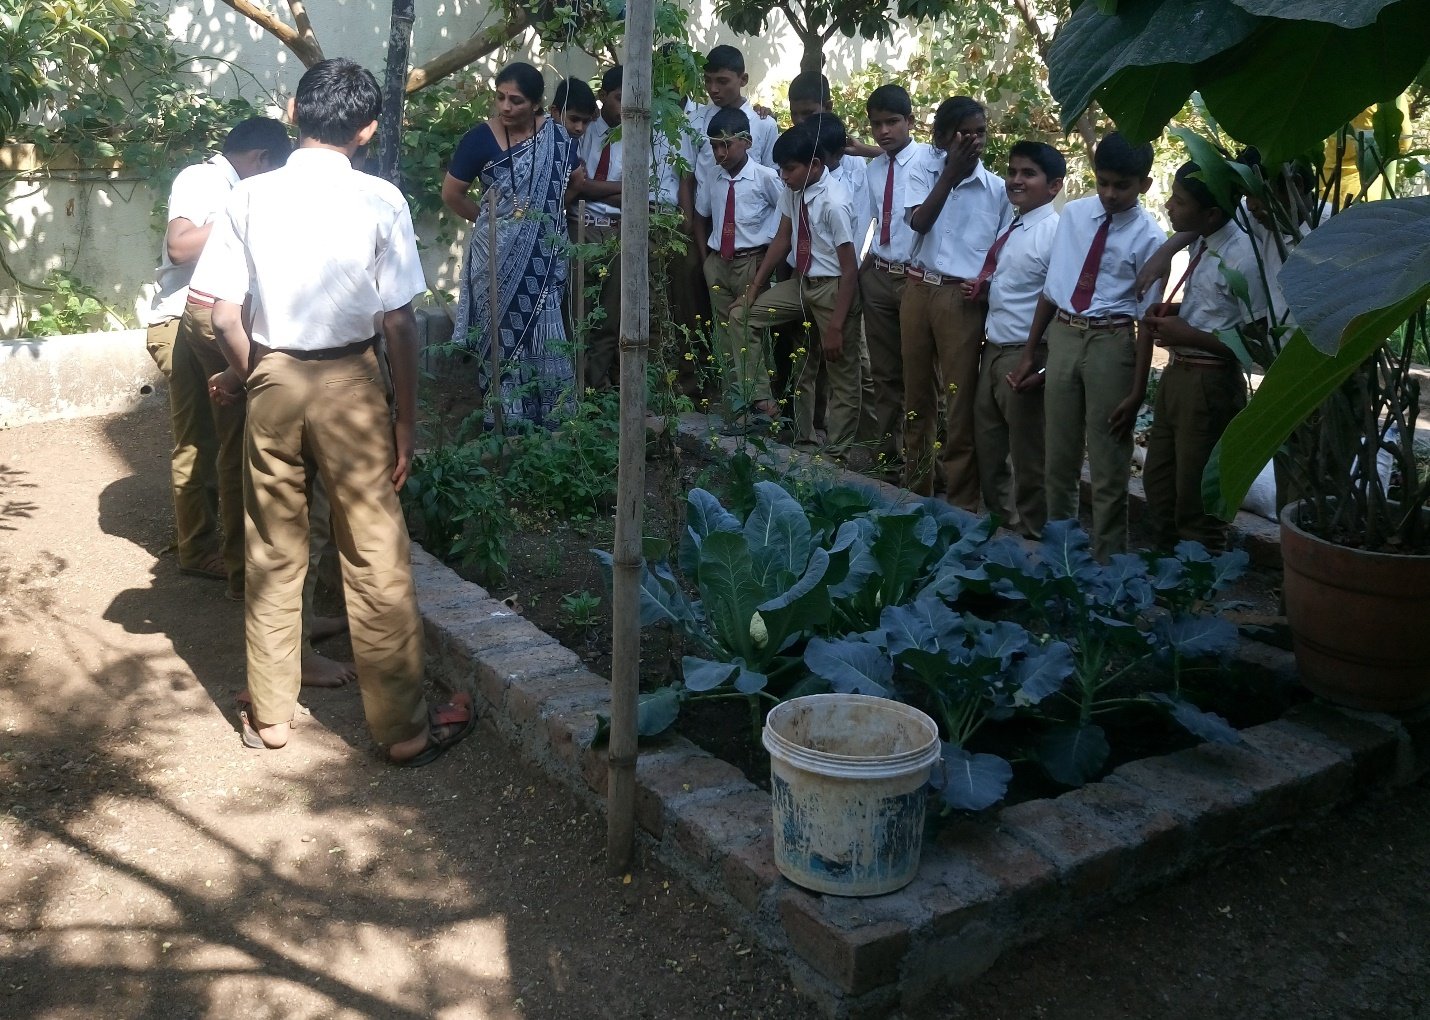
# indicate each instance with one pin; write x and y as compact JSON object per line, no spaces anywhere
{"x":846,"y":776}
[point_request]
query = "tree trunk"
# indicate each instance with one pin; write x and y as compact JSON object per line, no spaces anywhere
{"x":811,"y":59}
{"x":399,"y":39}
{"x":630,"y":485}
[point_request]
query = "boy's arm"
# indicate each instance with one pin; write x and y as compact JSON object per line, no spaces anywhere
{"x":399,"y":329}
{"x":237,"y":348}
{"x":1124,"y":415}
{"x":1159,"y":266}
{"x":701,"y":228}
{"x":774,"y":255}
{"x":184,"y":240}
{"x":1024,"y":377}
{"x":831,"y":338}
{"x":854,"y":147}
{"x":456,"y":198}
{"x":958,"y":163}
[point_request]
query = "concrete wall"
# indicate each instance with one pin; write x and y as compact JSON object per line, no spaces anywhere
{"x":75,"y":376}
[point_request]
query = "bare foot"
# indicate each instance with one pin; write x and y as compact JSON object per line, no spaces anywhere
{"x":325,"y":627}
{"x":321,"y":671}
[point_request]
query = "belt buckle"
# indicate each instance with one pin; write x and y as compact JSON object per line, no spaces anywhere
{"x":1079,"y":322}
{"x":932,"y":279}
{"x":895,"y":268}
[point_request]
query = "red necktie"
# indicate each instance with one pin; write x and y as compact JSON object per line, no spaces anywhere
{"x":888,"y":204}
{"x":603,"y":165}
{"x":727,"y":230}
{"x":803,"y":258}
{"x":1186,"y":274}
{"x":990,"y":261}
{"x":1087,"y":279}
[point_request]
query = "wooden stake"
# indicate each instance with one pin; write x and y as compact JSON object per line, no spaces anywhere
{"x":630,"y":484}
{"x":578,"y":312}
{"x":494,"y":391}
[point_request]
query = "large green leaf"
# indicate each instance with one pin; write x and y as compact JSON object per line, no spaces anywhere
{"x":1299,"y":380}
{"x":1345,"y":13}
{"x":728,"y":590}
{"x":778,"y":534}
{"x":1364,"y":270}
{"x":803,"y":608}
{"x":904,"y":545}
{"x":1141,"y":100}
{"x":1093,"y":47}
{"x":1294,"y":83}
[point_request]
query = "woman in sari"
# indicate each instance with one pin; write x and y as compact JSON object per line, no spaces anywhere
{"x":526,"y":159}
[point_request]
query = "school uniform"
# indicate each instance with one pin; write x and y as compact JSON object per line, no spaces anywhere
{"x":1091,"y":359}
{"x":322,"y":251}
{"x":1199,"y":393}
{"x":941,"y":332}
{"x":819,"y":223}
{"x":881,"y":284}
{"x":602,"y":222}
{"x":205,"y":466}
{"x":763,"y":132}
{"x":1008,"y":424}
{"x":744,"y":213}
{"x":689,"y":298}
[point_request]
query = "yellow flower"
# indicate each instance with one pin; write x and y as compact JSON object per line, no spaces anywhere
{"x":953,"y":387}
{"x":744,"y":350}
{"x":601,"y":272}
{"x":689,"y":356}
{"x":911,"y":415}
{"x":937,"y":445}
{"x":807,"y":324}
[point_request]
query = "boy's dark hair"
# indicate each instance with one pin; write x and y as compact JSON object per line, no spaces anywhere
{"x":335,"y":100}
{"x":260,"y":134}
{"x":725,"y":58}
{"x":830,"y":136}
{"x":953,"y":112}
{"x":890,"y":98}
{"x":1117,"y":155}
{"x":1197,"y":188}
{"x":527,"y":79}
{"x":797,"y":145}
{"x":809,"y":87}
{"x":574,"y":95}
{"x":1043,"y":156}
{"x":611,"y":80}
{"x":728,"y":122}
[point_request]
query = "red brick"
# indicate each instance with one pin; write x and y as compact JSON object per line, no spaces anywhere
{"x":708,"y":829}
{"x":530,"y":698}
{"x":1324,"y":775}
{"x":1212,"y":806}
{"x":855,"y":960}
{"x":1155,"y":840}
{"x":1088,"y":857}
{"x":1374,"y":741}
{"x":1021,"y":874}
{"x":749,"y":872}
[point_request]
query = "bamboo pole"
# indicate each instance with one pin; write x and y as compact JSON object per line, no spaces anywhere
{"x":579,"y":305}
{"x":494,"y":394}
{"x":630,"y":485}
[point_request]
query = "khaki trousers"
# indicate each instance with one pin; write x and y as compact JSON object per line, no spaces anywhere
{"x":1089,"y":374}
{"x":942,"y":338}
{"x":214,"y":440}
{"x":883,"y":294}
{"x":603,"y":354}
{"x":331,"y":414}
{"x":743,"y":365}
{"x":811,"y":299}
{"x":159,"y":342}
{"x":1194,"y":405}
{"x":1008,"y":424}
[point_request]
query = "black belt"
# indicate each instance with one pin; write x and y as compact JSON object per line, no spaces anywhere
{"x":329,"y":353}
{"x":1095,"y":321}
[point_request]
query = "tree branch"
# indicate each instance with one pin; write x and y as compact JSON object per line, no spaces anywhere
{"x":304,"y":47}
{"x":305,"y":28}
{"x":478,"y":45}
{"x":1086,"y":126}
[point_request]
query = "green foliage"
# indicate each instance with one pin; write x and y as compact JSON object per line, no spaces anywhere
{"x":454,"y":497}
{"x":435,"y":119}
{"x":71,"y":308}
{"x":581,"y":609}
{"x":568,"y":472}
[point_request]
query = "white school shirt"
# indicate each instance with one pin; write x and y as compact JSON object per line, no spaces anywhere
{"x":827,"y":206}
{"x":1208,"y":302}
{"x":763,"y":131}
{"x":852,"y":173}
{"x":592,"y":142}
{"x":976,"y":211}
{"x":321,"y":248}
{"x":668,"y":161}
{"x":1019,"y":276}
{"x":758,"y":191}
{"x":1271,"y":256}
{"x":901,"y":235}
{"x":197,"y":195}
{"x":1132,"y":240}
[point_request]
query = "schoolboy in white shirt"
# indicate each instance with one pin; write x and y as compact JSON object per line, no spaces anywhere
{"x":601,"y":188}
{"x":958,"y":207}
{"x":1008,"y":423}
{"x":816,"y":237}
{"x":885,"y":271}
{"x":736,"y":219}
{"x":1098,"y":356}
{"x":323,"y":252}
{"x":1202,"y":388}
{"x":725,"y":80}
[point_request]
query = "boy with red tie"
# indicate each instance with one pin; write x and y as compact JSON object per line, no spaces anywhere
{"x":1098,"y":355}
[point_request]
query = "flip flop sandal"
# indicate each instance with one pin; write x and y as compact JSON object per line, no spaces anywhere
{"x":458,"y":718}
{"x":247,"y":731}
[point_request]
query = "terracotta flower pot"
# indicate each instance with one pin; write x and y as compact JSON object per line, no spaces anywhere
{"x":1360,"y":621}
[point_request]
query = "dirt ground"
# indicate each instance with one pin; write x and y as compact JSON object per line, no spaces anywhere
{"x":151,"y":867}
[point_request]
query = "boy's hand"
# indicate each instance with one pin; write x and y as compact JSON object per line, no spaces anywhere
{"x":1157,"y":267}
{"x":1028,"y":381}
{"x":747,"y":299}
{"x":1019,"y":377}
{"x":226,"y":388}
{"x":831,"y":340}
{"x":764,"y":111}
{"x":973,"y":290}
{"x":1124,"y":415}
{"x":404,"y":433}
{"x":1171,"y":330}
{"x":962,"y":156}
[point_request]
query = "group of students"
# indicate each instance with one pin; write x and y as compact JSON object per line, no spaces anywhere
{"x":970,"y":335}
{"x":959,"y":325}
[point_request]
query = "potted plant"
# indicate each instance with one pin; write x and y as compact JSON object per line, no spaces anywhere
{"x":1340,"y":396}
